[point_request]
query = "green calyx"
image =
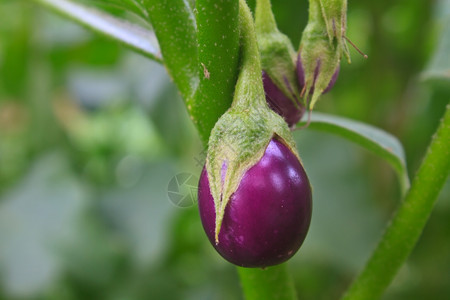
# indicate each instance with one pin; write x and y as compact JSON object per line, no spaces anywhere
{"x":323,"y":44}
{"x":240,"y":137}
{"x":276,"y":50}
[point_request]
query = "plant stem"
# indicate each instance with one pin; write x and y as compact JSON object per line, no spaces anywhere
{"x":271,"y":283}
{"x":218,"y":50}
{"x":250,"y":76}
{"x":274,"y":282}
{"x":175,"y":29}
{"x":409,"y":221}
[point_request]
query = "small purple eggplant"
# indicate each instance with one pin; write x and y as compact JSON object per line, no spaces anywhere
{"x":290,"y":110}
{"x":322,"y":47}
{"x":278,"y":64}
{"x":267,"y":217}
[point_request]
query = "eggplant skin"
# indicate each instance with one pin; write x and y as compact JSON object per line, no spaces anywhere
{"x":267,"y":217}
{"x":291,"y":111}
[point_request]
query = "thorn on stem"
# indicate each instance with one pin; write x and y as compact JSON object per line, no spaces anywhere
{"x":307,"y":121}
{"x":356,"y":48}
{"x":302,"y":93}
{"x":205,"y":71}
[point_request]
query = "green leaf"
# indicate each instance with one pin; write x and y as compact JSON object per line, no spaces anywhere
{"x":438,"y":70}
{"x":379,"y":142}
{"x":36,"y":216}
{"x":218,"y":42}
{"x":131,"y":35}
{"x":174,"y":25}
{"x":141,"y":210}
{"x":127,"y":5}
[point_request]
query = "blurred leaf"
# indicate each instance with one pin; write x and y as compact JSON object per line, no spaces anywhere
{"x":346,"y":216}
{"x":379,"y":142}
{"x":438,"y":71}
{"x":110,"y":142}
{"x":91,"y":254}
{"x":128,"y":5}
{"x":131,"y":35}
{"x":140,"y":213}
{"x":35,"y":217}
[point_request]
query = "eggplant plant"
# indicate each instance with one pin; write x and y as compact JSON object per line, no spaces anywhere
{"x":247,"y":90}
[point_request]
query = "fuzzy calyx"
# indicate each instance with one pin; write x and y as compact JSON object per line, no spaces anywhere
{"x":323,"y":44}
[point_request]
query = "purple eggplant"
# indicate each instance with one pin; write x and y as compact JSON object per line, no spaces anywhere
{"x":291,"y":111}
{"x":267,"y":217}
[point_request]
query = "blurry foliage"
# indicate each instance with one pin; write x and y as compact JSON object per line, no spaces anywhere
{"x":91,"y":134}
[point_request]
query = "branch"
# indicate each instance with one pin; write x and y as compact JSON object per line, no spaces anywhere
{"x":407,"y":224}
{"x":175,"y":28}
{"x":218,"y":49}
{"x":268,"y":284}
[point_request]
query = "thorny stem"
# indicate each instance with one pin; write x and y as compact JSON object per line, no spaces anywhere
{"x":407,"y":224}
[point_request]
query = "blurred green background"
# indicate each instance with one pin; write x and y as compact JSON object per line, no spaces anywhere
{"x":91,"y":135}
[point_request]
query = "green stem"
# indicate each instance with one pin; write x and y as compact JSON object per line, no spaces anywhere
{"x":409,"y":221}
{"x":271,"y":283}
{"x":274,"y":282}
{"x":175,"y":29}
{"x":250,"y":78}
{"x":218,"y":51}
